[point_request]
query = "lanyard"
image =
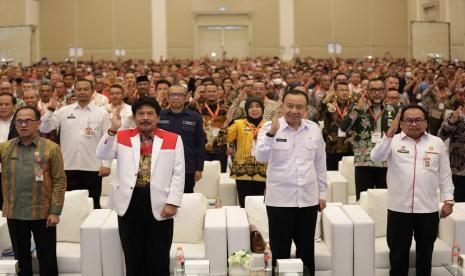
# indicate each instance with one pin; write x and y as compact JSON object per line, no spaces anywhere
{"x":377,"y":116}
{"x":217,"y":111}
{"x":344,"y":112}
{"x":254,"y":128}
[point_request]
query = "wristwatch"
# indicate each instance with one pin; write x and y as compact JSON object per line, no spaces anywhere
{"x":450,"y":202}
{"x":270,"y":135}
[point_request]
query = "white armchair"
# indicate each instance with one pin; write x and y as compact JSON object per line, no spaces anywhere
{"x":209,"y":184}
{"x":347,"y":170}
{"x":337,"y":187}
{"x":78,"y":237}
{"x":201,"y":232}
{"x":371,"y":252}
{"x":106,"y":185}
{"x":333,"y":243}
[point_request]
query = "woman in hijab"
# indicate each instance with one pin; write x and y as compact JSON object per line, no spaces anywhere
{"x":250,"y":175}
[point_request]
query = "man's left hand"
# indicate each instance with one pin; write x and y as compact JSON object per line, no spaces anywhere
{"x":198,"y":175}
{"x":322,"y":205}
{"x":169,"y":210}
{"x":52,"y":220}
{"x":104,"y":171}
{"x":446,"y":210}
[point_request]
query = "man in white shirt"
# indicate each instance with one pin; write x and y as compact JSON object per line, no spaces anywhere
{"x":7,"y":128}
{"x":296,"y":182}
{"x":81,"y":124}
{"x":117,"y":96}
{"x":418,"y":164}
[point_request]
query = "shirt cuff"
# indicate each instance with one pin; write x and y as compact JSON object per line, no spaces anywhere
{"x":323,"y":195}
{"x":55,"y":210}
{"x":447,"y":196}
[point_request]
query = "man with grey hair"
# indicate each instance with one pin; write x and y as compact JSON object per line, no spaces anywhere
{"x":189,"y":125}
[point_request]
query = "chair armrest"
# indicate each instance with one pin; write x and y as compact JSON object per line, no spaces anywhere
{"x":5,"y":241}
{"x":338,"y":237}
{"x":338,"y":186}
{"x":112,"y":252}
{"x":215,"y":240}
{"x":91,"y":255}
{"x":228,"y":192}
{"x":364,"y":240}
{"x":238,"y":230}
{"x":452,"y":228}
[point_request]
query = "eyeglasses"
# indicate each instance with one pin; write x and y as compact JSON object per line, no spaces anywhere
{"x":380,"y":90}
{"x":26,"y":122}
{"x":179,"y":95}
{"x":298,"y":107}
{"x":417,"y":121}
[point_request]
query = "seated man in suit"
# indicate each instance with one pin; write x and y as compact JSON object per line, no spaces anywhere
{"x":145,"y":205}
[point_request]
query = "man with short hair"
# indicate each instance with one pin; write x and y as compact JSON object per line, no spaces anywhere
{"x":161,"y":88}
{"x":118,"y":105}
{"x":296,"y":182}
{"x":368,"y":119}
{"x":31,"y":98}
{"x":45,"y":94}
{"x":35,"y":183}
{"x":189,"y":125}
{"x":150,"y":183}
{"x":81,"y":125}
{"x":418,"y":166}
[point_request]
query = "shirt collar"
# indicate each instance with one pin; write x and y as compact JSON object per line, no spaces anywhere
{"x":9,"y":120}
{"x":182,"y":112}
{"x":403,"y":135}
{"x":91,"y":106}
{"x":303,"y":124}
{"x":35,"y":141}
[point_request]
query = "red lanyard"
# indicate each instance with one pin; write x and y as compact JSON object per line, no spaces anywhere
{"x":254,"y":129}
{"x":344,"y":112}
{"x":217,"y":111}
{"x":377,"y":116}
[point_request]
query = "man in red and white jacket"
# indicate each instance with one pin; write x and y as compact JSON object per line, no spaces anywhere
{"x":418,"y":165}
{"x":147,"y":188}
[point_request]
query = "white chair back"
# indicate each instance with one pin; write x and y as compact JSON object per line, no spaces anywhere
{"x":210,"y":181}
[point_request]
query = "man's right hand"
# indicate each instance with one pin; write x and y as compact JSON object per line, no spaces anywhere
{"x":116,"y":119}
{"x":242,"y":95}
{"x":362,"y":103}
{"x":275,"y":121}
{"x":394,"y":126}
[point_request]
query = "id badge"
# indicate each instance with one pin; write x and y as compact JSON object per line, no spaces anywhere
{"x":340,"y":133}
{"x":389,"y":122}
{"x":375,"y":137}
{"x":441,"y":106}
{"x":427,"y":163}
{"x":39,"y":175}
{"x":88,"y":132}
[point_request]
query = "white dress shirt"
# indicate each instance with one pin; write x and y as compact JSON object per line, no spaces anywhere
{"x":99,"y":99}
{"x":415,"y":172}
{"x":5,"y":129}
{"x":78,"y":148}
{"x":296,"y":173}
{"x":127,"y":119}
{"x":4,"y":132}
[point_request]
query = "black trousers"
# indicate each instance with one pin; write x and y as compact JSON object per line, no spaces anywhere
{"x":189,"y":183}
{"x":85,"y":180}
{"x":400,"y":228}
{"x":287,"y":224}
{"x":220,"y":156}
{"x":459,"y":187}
{"x":369,"y":178}
{"x":249,"y":188}
{"x":45,"y":239}
{"x":332,"y":160}
{"x":146,"y":241}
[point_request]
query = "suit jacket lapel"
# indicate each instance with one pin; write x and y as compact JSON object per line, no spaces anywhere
{"x":135,"y":143}
{"x":156,"y":146}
